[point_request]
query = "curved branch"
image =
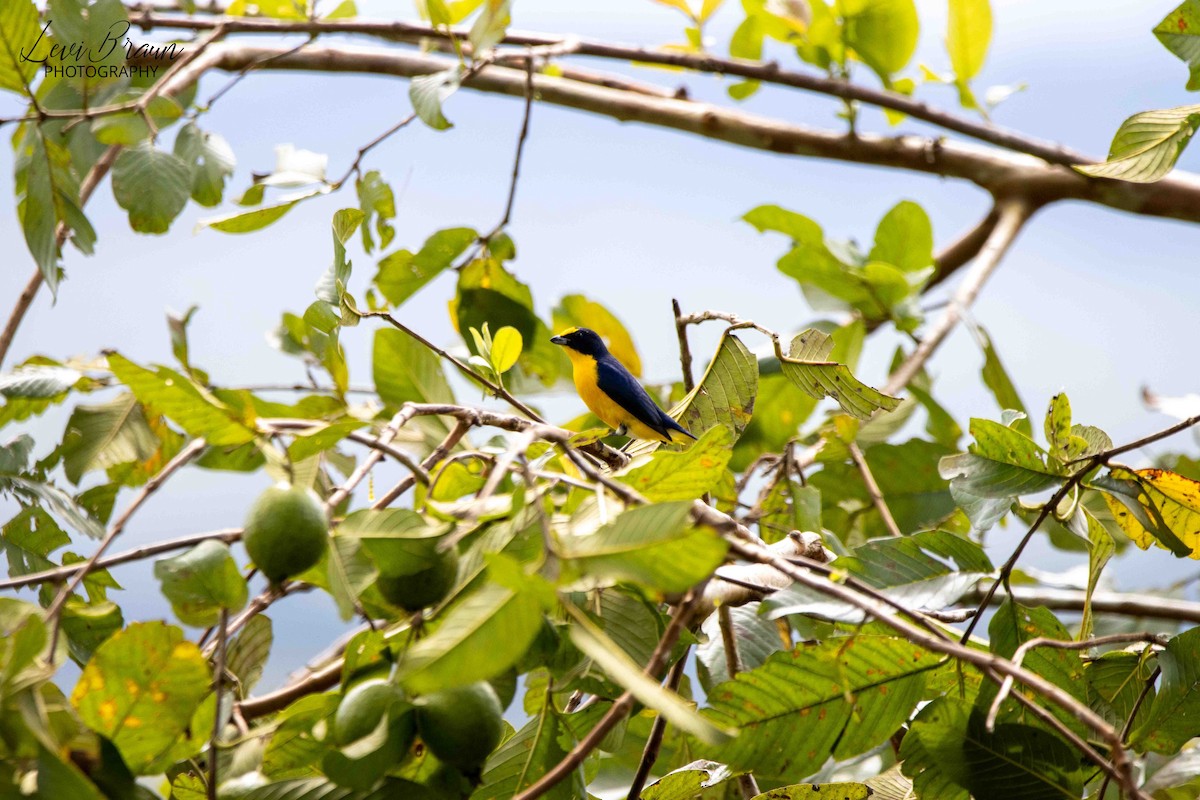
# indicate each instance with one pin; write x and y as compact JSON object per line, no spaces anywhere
{"x":1011,"y":216}
{"x":1002,"y":174}
{"x":765,"y":72}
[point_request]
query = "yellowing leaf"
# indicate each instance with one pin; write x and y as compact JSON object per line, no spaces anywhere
{"x":1169,"y":502}
{"x":685,"y":475}
{"x":506,"y":348}
{"x":141,"y":689}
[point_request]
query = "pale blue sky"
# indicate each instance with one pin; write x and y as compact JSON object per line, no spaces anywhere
{"x":1090,"y":301}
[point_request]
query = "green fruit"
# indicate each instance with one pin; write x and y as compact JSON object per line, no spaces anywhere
{"x":286,"y":532}
{"x":421,"y":589}
{"x":374,"y":729}
{"x":362,"y":708}
{"x":461,"y":726}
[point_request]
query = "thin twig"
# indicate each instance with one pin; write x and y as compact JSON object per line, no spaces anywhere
{"x":58,"y":574}
{"x":658,"y":729}
{"x":619,"y":709}
{"x":860,"y":461}
{"x":218,"y":675}
{"x":1018,"y":658}
{"x":1133,"y":712}
{"x":516,"y":170}
{"x":190,"y":451}
{"x":685,"y":352}
{"x":354,"y":168}
{"x":993,"y":665}
{"x":441,"y":451}
{"x":466,"y":370}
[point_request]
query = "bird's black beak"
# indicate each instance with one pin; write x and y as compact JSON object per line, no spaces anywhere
{"x":558,"y":340}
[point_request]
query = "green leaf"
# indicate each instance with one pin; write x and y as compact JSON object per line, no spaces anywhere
{"x":809,"y":371}
{"x":756,"y":636}
{"x":948,"y":753}
{"x":58,"y":501}
{"x":968,"y":35}
{"x":58,"y":776}
{"x":179,"y":398}
{"x":1174,"y":716}
{"x":348,"y":573}
{"x":19,"y":30}
{"x":152,"y":185}
{"x":29,"y":538}
{"x":724,"y":396}
{"x":294,"y":751}
{"x":821,"y":791}
{"x":495,"y":620}
{"x":838,"y":698}
{"x":210,"y":159}
{"x":402,"y":274}
{"x":682,"y":475}
{"x":428,"y":92}
{"x":626,"y":672}
{"x":654,"y":546}
{"x":201,"y":582}
{"x":506,"y":349}
{"x":1179,"y":32}
{"x":904,"y":237}
{"x":378,"y":203}
{"x":140,"y":690}
{"x":87,"y":626}
{"x":689,"y":781}
{"x":43,"y":182}
{"x":1101,"y":548}
{"x":398,"y":540}
{"x":404,"y":371}
{"x":526,"y":756}
{"x":490,"y":294}
{"x":37,"y":381}
{"x":1013,"y":625}
{"x":100,"y":437}
{"x":1115,"y":680}
{"x":1147,"y":145}
{"x":996,"y":378}
{"x":248,"y":652}
{"x":882,"y":33}
{"x":258,"y":218}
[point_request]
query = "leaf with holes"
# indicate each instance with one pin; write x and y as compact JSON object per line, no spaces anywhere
{"x":808,"y":370}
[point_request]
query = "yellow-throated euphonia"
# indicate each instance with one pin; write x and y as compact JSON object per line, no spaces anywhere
{"x":611,"y":392}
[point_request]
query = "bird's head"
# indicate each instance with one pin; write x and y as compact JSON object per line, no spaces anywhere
{"x":582,"y":340}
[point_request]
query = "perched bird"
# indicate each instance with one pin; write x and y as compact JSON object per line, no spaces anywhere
{"x":612,"y":393}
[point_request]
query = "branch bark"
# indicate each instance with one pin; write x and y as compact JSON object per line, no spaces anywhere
{"x":999,"y":172}
{"x":764,"y":71}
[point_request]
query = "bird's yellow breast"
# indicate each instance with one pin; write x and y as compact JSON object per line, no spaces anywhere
{"x":610,"y":412}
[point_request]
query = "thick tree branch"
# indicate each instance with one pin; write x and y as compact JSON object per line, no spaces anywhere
{"x":999,"y":172}
{"x":766,"y":72}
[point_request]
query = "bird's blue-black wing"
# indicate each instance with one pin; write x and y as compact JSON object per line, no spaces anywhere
{"x":616,"y":382}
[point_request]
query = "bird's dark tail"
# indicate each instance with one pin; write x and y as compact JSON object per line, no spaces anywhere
{"x":671,"y":425}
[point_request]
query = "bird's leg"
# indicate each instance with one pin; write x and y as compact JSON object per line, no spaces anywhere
{"x":622,"y":430}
